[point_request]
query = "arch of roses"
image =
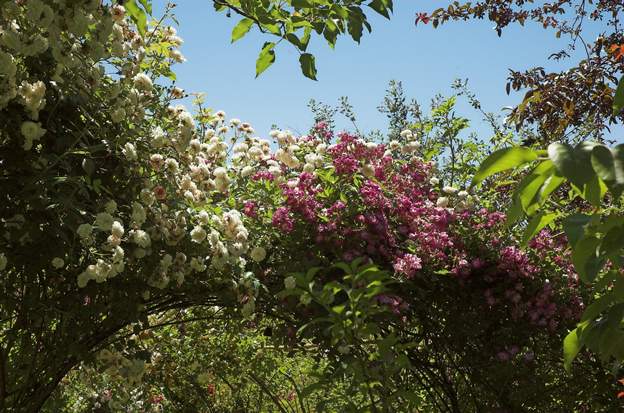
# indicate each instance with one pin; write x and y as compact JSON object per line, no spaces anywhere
{"x":117,"y":204}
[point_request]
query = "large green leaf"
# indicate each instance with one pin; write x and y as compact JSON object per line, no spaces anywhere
{"x":574,"y":164}
{"x":572,"y":344}
{"x":529,"y":188}
{"x":537,"y":223}
{"x":241,"y":29}
{"x":618,"y":164}
{"x":265,"y":58}
{"x":618,"y":99}
{"x":574,"y":227}
{"x":355,"y":23}
{"x":502,"y":160}
{"x":308,"y":67}
{"x":586,"y":259}
{"x":613,"y":241}
{"x":603,"y":163}
{"x":137,"y":14}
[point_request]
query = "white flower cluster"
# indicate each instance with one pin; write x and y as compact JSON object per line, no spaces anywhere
{"x":461,"y":200}
{"x":117,"y":365}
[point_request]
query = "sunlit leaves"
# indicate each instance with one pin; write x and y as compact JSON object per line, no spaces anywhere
{"x":138,"y":14}
{"x":502,"y":160}
{"x":539,"y":222}
{"x":595,"y":239}
{"x":295,"y":20}
{"x":241,"y":29}
{"x":609,"y":166}
{"x":570,"y":163}
{"x":266,"y":58}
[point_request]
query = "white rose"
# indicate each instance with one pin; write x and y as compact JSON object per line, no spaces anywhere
{"x":198,"y":234}
{"x":442,"y":202}
{"x":258,"y":254}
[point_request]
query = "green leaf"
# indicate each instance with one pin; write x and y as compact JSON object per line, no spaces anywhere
{"x":294,"y":40}
{"x":330,"y":32}
{"x":147,"y":5}
{"x":613,"y":241}
{"x":572,"y":344}
{"x":574,"y":227}
{"x":536,"y":224}
{"x":137,"y":14}
{"x":308,"y":67}
{"x":241,"y":29}
{"x":586,"y":260}
{"x":603,"y":163}
{"x":502,"y":160}
{"x":266,"y":58}
{"x":598,"y":307}
{"x":529,"y":188}
{"x":618,"y":99}
{"x":382,"y":7}
{"x":594,"y":191}
{"x":618,"y":164}
{"x":574,"y":164}
{"x":552,"y":182}
{"x":355,"y":23}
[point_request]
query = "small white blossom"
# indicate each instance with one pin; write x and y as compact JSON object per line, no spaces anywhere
{"x":198,"y":234}
{"x":449,"y":190}
{"x":117,"y":230}
{"x":130,"y":152}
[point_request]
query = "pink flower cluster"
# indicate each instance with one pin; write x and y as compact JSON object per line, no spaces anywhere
{"x":301,"y":197}
{"x":282,"y":220}
{"x":407,"y":265}
{"x":349,"y":153}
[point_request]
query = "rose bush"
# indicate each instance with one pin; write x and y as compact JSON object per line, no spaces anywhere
{"x":119,"y":208}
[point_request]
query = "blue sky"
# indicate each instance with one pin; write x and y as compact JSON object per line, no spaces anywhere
{"x":426,"y":60}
